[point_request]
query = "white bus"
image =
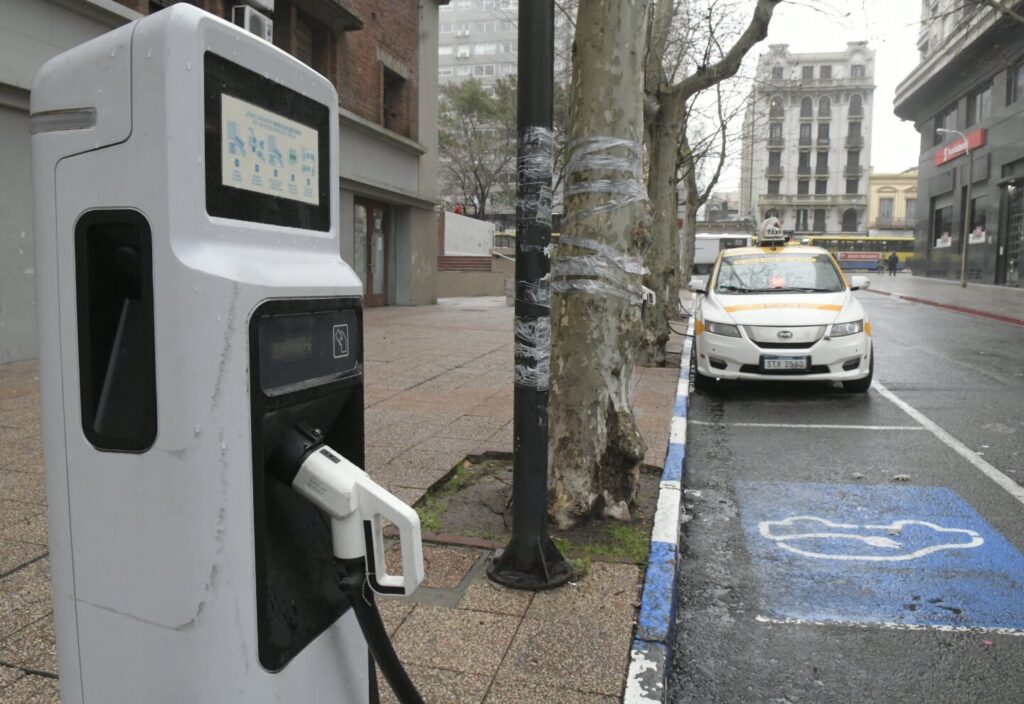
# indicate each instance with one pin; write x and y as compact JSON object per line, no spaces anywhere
{"x":709,"y":245}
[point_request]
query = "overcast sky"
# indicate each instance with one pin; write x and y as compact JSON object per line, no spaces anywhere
{"x":891,"y":29}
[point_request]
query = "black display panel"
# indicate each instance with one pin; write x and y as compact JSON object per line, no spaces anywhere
{"x":300,"y":350}
{"x":298,"y":593}
{"x":263,"y":142}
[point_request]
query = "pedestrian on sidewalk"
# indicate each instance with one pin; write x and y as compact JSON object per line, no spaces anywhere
{"x":893,"y":261}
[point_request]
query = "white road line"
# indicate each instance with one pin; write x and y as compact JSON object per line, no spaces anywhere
{"x":1015,"y":490}
{"x":811,"y":425}
{"x":893,"y":626}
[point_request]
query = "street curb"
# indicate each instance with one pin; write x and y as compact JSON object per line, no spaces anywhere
{"x":651,"y":652}
{"x":955,"y":309}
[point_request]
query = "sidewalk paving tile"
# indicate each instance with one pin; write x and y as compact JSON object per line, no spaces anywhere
{"x":15,"y":553}
{"x":393,"y":612}
{"x":611,"y":591}
{"x":33,"y":647}
{"x":484,"y":595}
{"x":29,"y":488}
{"x":24,"y":597}
{"x":583,"y":654}
{"x":32,"y":689}
{"x":8,"y":676}
{"x":13,"y":512}
{"x":436,"y":685}
{"x":466,"y":641}
{"x":31,"y":529}
{"x":23,"y":454}
{"x":516,"y":691}
{"x":444,"y":567}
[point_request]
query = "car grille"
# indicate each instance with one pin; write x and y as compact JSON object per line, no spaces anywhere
{"x":767,"y":336}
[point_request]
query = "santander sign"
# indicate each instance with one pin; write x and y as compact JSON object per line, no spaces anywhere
{"x":951,"y":151}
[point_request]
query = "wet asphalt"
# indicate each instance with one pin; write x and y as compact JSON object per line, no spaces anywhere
{"x":833,"y":618}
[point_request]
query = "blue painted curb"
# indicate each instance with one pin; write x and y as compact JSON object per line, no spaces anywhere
{"x":651,"y":653}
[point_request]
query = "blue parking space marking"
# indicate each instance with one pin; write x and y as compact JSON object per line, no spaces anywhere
{"x":918,"y":557}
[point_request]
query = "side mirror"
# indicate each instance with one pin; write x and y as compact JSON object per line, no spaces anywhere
{"x":697,"y":285}
{"x":859,"y":282}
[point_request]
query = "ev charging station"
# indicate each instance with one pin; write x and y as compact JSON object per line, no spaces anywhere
{"x":212,"y":536}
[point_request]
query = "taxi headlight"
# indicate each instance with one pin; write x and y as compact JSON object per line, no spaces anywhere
{"x":851,"y":328}
{"x":723,"y":329}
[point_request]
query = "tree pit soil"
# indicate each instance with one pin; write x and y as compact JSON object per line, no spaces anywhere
{"x":473,"y":502}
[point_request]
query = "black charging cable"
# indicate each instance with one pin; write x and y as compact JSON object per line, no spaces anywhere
{"x":353,"y":584}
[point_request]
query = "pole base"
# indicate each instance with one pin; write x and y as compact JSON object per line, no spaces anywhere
{"x":541,"y":567}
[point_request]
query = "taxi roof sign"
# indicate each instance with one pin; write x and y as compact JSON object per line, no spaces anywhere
{"x":770,"y":232}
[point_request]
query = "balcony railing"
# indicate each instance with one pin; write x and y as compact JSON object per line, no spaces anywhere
{"x":821,"y":169}
{"x":896,"y":223}
{"x":774,"y":171}
{"x":803,"y":170}
{"x":854,"y":140}
{"x":805,"y":141}
{"x":776,"y":142}
{"x":855,"y":112}
{"x":853,"y":170}
{"x":823,"y":141}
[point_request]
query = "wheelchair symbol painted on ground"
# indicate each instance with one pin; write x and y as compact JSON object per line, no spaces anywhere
{"x":899,"y":541}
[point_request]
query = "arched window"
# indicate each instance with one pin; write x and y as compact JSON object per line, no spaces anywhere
{"x":771,"y":213}
{"x":806,"y":107}
{"x":775,"y":107}
{"x":849,"y":220}
{"x":856,"y":106}
{"x":824,"y":107}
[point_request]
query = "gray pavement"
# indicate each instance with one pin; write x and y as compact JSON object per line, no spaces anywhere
{"x":438,"y":388}
{"x":998,"y":300}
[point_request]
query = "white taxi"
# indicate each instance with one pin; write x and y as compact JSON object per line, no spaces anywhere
{"x":781,"y":313}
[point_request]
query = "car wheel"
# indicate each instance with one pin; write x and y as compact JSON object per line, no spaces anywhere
{"x":860,"y":386}
{"x":702,"y":383}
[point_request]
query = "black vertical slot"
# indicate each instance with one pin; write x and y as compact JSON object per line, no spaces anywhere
{"x":116,"y":357}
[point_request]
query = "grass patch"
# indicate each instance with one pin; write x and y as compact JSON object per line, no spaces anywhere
{"x":626,"y":542}
{"x":430,"y":510}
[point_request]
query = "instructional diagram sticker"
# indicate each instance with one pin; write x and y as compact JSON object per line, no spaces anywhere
{"x":893,"y":555}
{"x":267,"y":153}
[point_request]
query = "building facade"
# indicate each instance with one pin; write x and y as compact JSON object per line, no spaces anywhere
{"x":970,"y":85}
{"x":381,"y":56}
{"x":807,"y":140}
{"x":477,"y":39}
{"x":892,"y":203}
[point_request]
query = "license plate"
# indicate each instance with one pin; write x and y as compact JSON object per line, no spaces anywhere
{"x":771,"y":362}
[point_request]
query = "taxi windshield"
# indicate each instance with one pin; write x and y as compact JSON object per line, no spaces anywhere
{"x":778,"y":273}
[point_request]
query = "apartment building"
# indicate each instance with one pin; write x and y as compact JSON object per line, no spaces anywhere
{"x":966,"y":99}
{"x":380,"y":54}
{"x":477,"y":39}
{"x":892,"y":203}
{"x":807,"y":139}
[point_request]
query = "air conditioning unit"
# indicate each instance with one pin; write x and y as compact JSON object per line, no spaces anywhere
{"x":253,"y":21}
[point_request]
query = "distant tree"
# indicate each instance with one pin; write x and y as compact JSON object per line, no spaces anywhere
{"x":477,"y":143}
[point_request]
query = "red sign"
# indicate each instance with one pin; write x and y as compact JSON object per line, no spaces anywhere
{"x":858,"y":256}
{"x":948,"y":152}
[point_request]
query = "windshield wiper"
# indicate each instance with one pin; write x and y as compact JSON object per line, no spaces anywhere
{"x":736,"y":289}
{"x":801,"y":289}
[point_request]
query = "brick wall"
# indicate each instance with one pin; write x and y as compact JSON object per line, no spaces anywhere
{"x":355,"y":61}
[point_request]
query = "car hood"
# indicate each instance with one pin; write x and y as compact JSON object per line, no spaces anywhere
{"x":792,"y":309}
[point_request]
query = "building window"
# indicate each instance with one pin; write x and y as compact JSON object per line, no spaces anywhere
{"x":821,"y":186}
{"x":465,"y":4}
{"x":775,"y":133}
{"x":393,"y":102}
{"x":805,"y":134}
{"x":509,"y":4}
{"x":806,"y":107}
{"x":463,"y":70}
{"x":507,"y":47}
{"x":446,"y":71}
{"x":485,"y":49}
{"x":849,"y":220}
{"x":774,"y":161}
{"x":487,"y":4}
{"x":446,"y":28}
{"x":801,"y":219}
{"x":885,"y":211}
{"x":821,"y":166}
{"x":773,"y":186}
{"x":803,"y":187}
{"x":853,"y":159}
{"x":819,"y":220}
{"x":823,"y":134}
{"x":775,"y":108}
{"x":509,"y":69}
{"x":852,"y":186}
{"x":942,"y":227}
{"x":444,"y":51}
{"x":824,"y":107}
{"x":945,"y":120}
{"x":776,"y":73}
{"x":856,"y":106}
{"x":805,"y":161}
{"x":977,"y":230}
{"x":491,"y":26}
{"x":462,"y":51}
{"x":808,"y":73}
{"x":824,"y":72}
{"x":482,"y":70}
{"x":1015,"y":83}
{"x":508,"y":26}
{"x":911,"y":210}
{"x":979,"y":105}
{"x":857,"y":71}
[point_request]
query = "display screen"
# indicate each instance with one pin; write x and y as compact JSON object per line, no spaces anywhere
{"x":267,"y":153}
{"x":267,"y":150}
{"x":302,"y":350}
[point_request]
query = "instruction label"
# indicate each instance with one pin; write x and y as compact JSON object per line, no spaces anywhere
{"x":267,"y":153}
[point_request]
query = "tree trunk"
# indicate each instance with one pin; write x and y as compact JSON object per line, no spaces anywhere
{"x":688,"y":236}
{"x":662,"y":259}
{"x":595,"y":447}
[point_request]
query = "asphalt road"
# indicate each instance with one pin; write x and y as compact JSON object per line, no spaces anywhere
{"x":876,"y":557}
